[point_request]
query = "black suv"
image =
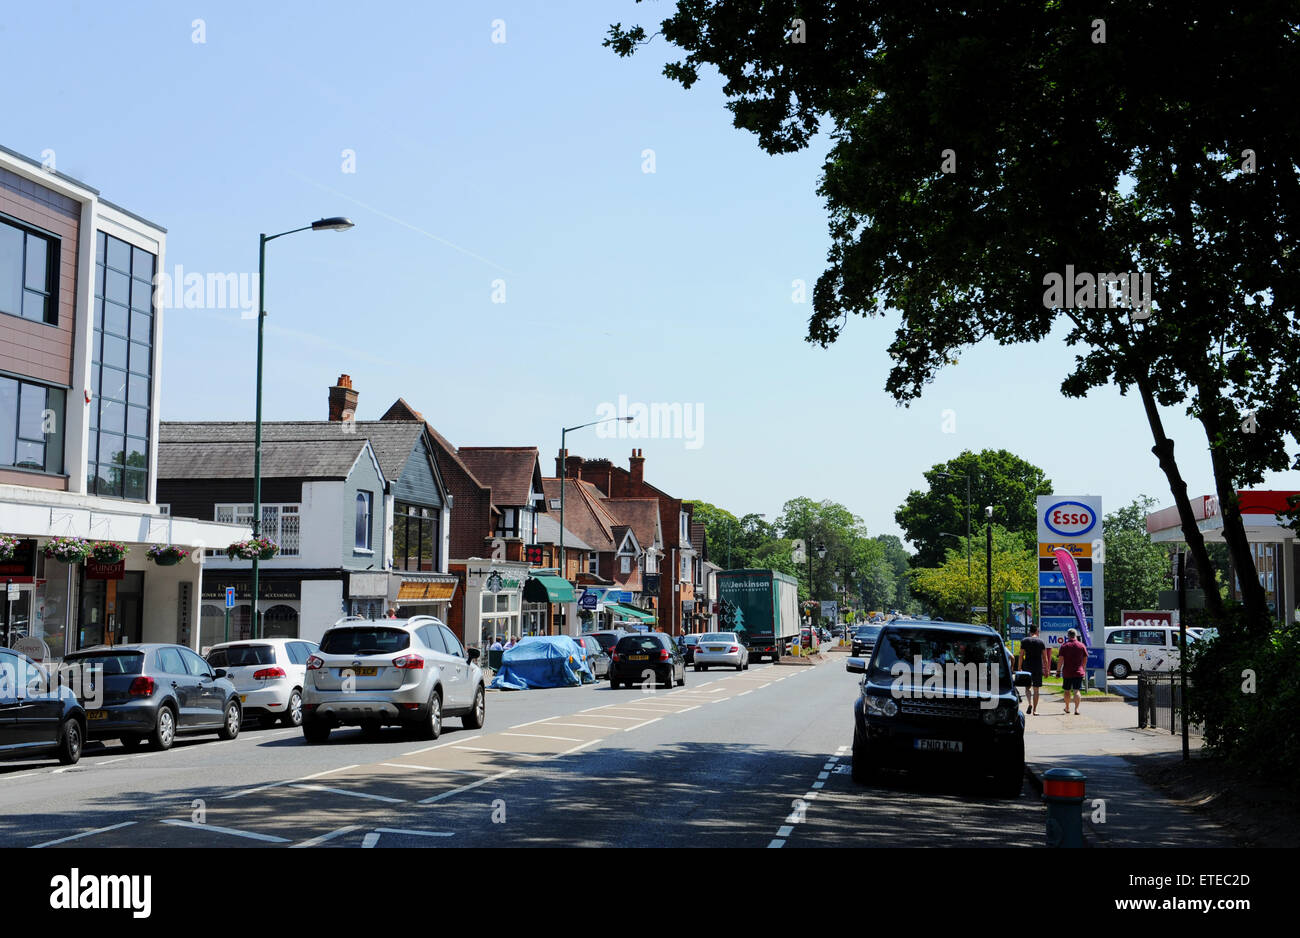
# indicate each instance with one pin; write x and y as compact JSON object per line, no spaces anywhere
{"x":643,"y":656}
{"x":939,"y":696}
{"x":864,"y":639}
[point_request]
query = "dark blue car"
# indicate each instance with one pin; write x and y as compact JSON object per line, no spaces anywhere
{"x":38,"y":715}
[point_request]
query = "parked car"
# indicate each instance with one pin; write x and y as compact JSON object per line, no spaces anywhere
{"x":608,"y":639}
{"x":38,"y":715}
{"x":154,"y":691}
{"x":689,"y":643}
{"x":645,"y":655}
{"x":268,"y":674}
{"x":721,"y":649}
{"x":864,"y":640}
{"x":906,"y":720}
{"x":1152,"y":648}
{"x":408,"y":672}
{"x":597,"y":657}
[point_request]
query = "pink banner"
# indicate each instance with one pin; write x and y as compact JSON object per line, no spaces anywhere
{"x":1070,"y":570}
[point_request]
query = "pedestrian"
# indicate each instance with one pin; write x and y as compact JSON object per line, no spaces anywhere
{"x":392,"y":612}
{"x":496,"y":644}
{"x":510,"y":643}
{"x":1074,"y":657}
{"x":1035,"y":660}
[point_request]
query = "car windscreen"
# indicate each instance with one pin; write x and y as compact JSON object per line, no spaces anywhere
{"x":868,"y":631}
{"x":241,"y":656}
{"x":606,"y":641}
{"x":638,"y":644}
{"x":123,"y":662}
{"x":364,"y":641}
{"x":950,"y":659}
{"x":718,"y":637}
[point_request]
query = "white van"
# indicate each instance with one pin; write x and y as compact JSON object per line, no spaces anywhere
{"x":1148,"y":648}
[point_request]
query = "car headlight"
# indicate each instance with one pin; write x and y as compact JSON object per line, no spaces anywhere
{"x":999,"y":714}
{"x":880,"y":706}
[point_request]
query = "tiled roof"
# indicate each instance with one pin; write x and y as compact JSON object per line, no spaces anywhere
{"x":641,"y":513}
{"x":548,"y":531}
{"x":698,"y":540}
{"x":225,"y":450}
{"x":581,"y":514}
{"x":509,"y":470}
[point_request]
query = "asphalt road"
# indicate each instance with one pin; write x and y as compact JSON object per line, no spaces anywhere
{"x":755,"y":759}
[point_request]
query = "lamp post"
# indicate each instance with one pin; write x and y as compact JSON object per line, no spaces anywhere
{"x":564,"y":471}
{"x":988,"y":582}
{"x":337,"y":223}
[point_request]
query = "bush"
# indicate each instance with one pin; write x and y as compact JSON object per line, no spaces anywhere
{"x":1245,"y":691}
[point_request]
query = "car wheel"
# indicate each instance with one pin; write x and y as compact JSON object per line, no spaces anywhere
{"x":682,"y":682}
{"x":433,"y":720}
{"x":131,"y":742}
{"x":746,"y":664}
{"x":740,"y":667}
{"x":230,"y":725}
{"x":613,"y":684}
{"x":315,"y":731}
{"x":164,"y":729}
{"x":667,"y":680}
{"x":474,"y":719}
{"x":864,"y":766}
{"x":293,"y":715}
{"x":1119,"y":670}
{"x":70,"y":741}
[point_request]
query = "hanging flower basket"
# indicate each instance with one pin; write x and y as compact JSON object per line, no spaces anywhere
{"x":67,"y":549}
{"x":261,"y":548}
{"x":8,"y":544}
{"x":108,"y":551}
{"x":167,"y":555}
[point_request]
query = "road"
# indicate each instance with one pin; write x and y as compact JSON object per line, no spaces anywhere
{"x":751,"y":759}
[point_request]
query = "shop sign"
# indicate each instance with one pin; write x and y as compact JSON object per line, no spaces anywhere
{"x":23,"y":563}
{"x":215,"y":589}
{"x":105,"y":571}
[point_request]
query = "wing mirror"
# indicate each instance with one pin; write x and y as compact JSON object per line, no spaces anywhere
{"x":473,"y":654}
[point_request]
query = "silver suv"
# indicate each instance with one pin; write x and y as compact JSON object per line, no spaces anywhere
{"x":409,"y":672}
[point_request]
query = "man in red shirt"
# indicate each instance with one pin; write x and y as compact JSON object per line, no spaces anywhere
{"x":1074,"y":658}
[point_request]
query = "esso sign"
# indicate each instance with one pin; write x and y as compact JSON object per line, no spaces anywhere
{"x":1070,"y":519}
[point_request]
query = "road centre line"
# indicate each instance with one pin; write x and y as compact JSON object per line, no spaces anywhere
{"x":251,"y":835}
{"x":98,"y":830}
{"x":776,"y":843}
{"x":288,"y":781}
{"x":399,"y":830}
{"x":501,"y":752}
{"x":589,"y":726}
{"x":563,"y":739}
{"x":457,"y":791}
{"x":317,"y":841}
{"x":354,"y":794}
{"x":427,"y":768}
{"x":452,"y":742}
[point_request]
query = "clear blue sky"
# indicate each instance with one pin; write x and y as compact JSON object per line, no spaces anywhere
{"x":520,"y":161}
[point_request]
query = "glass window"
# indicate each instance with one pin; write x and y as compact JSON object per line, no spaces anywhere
{"x":451,"y":641}
{"x":194,"y":664}
{"x":170,"y":661}
{"x":363,"y":521}
{"x":31,"y":426}
{"x":433,"y":638}
{"x":488,"y":603}
{"x":11,"y":269}
{"x":28,"y":274}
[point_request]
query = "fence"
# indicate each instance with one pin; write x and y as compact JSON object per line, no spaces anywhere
{"x":1160,"y":701}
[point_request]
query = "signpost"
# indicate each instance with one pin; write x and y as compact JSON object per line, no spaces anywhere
{"x":1072,"y":523}
{"x":230,"y":604}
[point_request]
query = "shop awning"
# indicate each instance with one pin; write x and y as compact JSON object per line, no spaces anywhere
{"x":411,"y":590}
{"x":548,"y":589}
{"x":628,"y":612}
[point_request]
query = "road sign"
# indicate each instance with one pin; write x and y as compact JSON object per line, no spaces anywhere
{"x":1072,"y":524}
{"x":588,"y":599}
{"x":979,"y":608}
{"x":13,"y":593}
{"x":230,"y":597}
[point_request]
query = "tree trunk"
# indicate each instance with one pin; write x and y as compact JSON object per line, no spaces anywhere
{"x":1164,"y":453}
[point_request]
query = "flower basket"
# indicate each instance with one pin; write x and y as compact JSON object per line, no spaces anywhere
{"x":167,"y":555}
{"x":108,"y":551}
{"x":260,"y":548}
{"x":67,"y":549}
{"x":8,"y":544}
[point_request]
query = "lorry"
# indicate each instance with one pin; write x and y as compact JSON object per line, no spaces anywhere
{"x":762,"y":608}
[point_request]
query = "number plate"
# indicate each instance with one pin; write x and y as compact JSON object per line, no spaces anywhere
{"x":96,"y":714}
{"x":638,"y":657}
{"x":939,"y":745}
{"x":364,"y":672}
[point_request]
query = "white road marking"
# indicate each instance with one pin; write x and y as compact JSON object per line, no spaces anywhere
{"x":583,"y":746}
{"x":818,"y":784}
{"x":563,"y":739}
{"x":459,"y":739}
{"x":744,"y":692}
{"x":287,"y":781}
{"x":784,"y":831}
{"x":589,"y":726}
{"x":500,"y":752}
{"x":399,"y":830}
{"x":369,"y":840}
{"x":354,"y":794}
{"x":316,"y":841}
{"x":822,"y":776}
{"x":776,"y":843}
{"x":98,"y":830}
{"x":457,"y":791}
{"x":428,"y":768}
{"x":639,"y":725}
{"x":251,"y":835}
{"x":610,"y":716}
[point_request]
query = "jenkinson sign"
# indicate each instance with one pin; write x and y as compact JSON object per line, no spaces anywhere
{"x":1072,"y":523}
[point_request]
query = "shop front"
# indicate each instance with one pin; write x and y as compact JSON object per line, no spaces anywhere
{"x":422,"y":594}
{"x":494,"y":594}
{"x":546,"y":597}
{"x":280,"y":603}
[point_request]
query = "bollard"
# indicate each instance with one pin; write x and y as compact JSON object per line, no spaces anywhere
{"x":1063,"y":792}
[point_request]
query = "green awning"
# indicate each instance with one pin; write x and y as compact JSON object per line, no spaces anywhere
{"x":621,"y":611}
{"x":548,"y":589}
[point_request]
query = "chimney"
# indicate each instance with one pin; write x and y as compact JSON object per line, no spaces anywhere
{"x":343,"y":400}
{"x":559,"y":463}
{"x":573,"y":467}
{"x":636,"y":467}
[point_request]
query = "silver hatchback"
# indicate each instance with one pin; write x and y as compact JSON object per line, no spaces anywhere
{"x":376,"y":672}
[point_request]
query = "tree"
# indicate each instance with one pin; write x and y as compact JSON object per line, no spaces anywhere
{"x":947,"y":587}
{"x":1136,"y":569}
{"x":997,"y":477}
{"x":981,"y":154}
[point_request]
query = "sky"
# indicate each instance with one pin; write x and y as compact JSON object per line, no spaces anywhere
{"x":543,"y":230}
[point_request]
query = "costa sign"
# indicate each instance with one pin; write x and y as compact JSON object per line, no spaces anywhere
{"x":1069,"y":519}
{"x":1146,"y":619}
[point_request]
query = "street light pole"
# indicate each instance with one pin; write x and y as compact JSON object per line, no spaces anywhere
{"x":988,"y":585}
{"x":324,"y":224}
{"x":564,"y":471}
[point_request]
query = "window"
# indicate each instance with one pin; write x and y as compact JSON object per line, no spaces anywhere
{"x":417,"y":537}
{"x":686,"y":569}
{"x":194,"y":664}
{"x":625,"y":564}
{"x":453,"y":643}
{"x":593,"y":560}
{"x":279,"y":522}
{"x":164,"y":509}
{"x":31,"y":426}
{"x":121,"y":373}
{"x":29,"y":266}
{"x":363,"y":520}
{"x":170,"y":661}
{"x":432,"y":637}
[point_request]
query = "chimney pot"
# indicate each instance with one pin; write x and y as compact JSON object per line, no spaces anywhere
{"x":342,"y":401}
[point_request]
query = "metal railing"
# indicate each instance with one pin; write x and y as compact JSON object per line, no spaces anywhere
{"x":1160,"y":702}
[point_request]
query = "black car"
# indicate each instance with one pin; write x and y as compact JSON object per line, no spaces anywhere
{"x":645,"y":656}
{"x":597,"y":657}
{"x":688,"y":644}
{"x":154,"y":691}
{"x":864,"y":639}
{"x":38,"y":714}
{"x":962,"y":711}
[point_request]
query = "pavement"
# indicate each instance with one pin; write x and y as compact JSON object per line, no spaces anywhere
{"x":1104,"y":743}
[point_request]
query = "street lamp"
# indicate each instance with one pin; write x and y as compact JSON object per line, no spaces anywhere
{"x":337,"y":223}
{"x":564,"y":471}
{"x":988,"y":584}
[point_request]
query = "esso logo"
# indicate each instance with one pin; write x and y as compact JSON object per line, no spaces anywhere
{"x":1070,"y":519}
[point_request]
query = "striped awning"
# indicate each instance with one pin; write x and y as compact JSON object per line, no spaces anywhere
{"x":621,"y":611}
{"x":412,"y":590}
